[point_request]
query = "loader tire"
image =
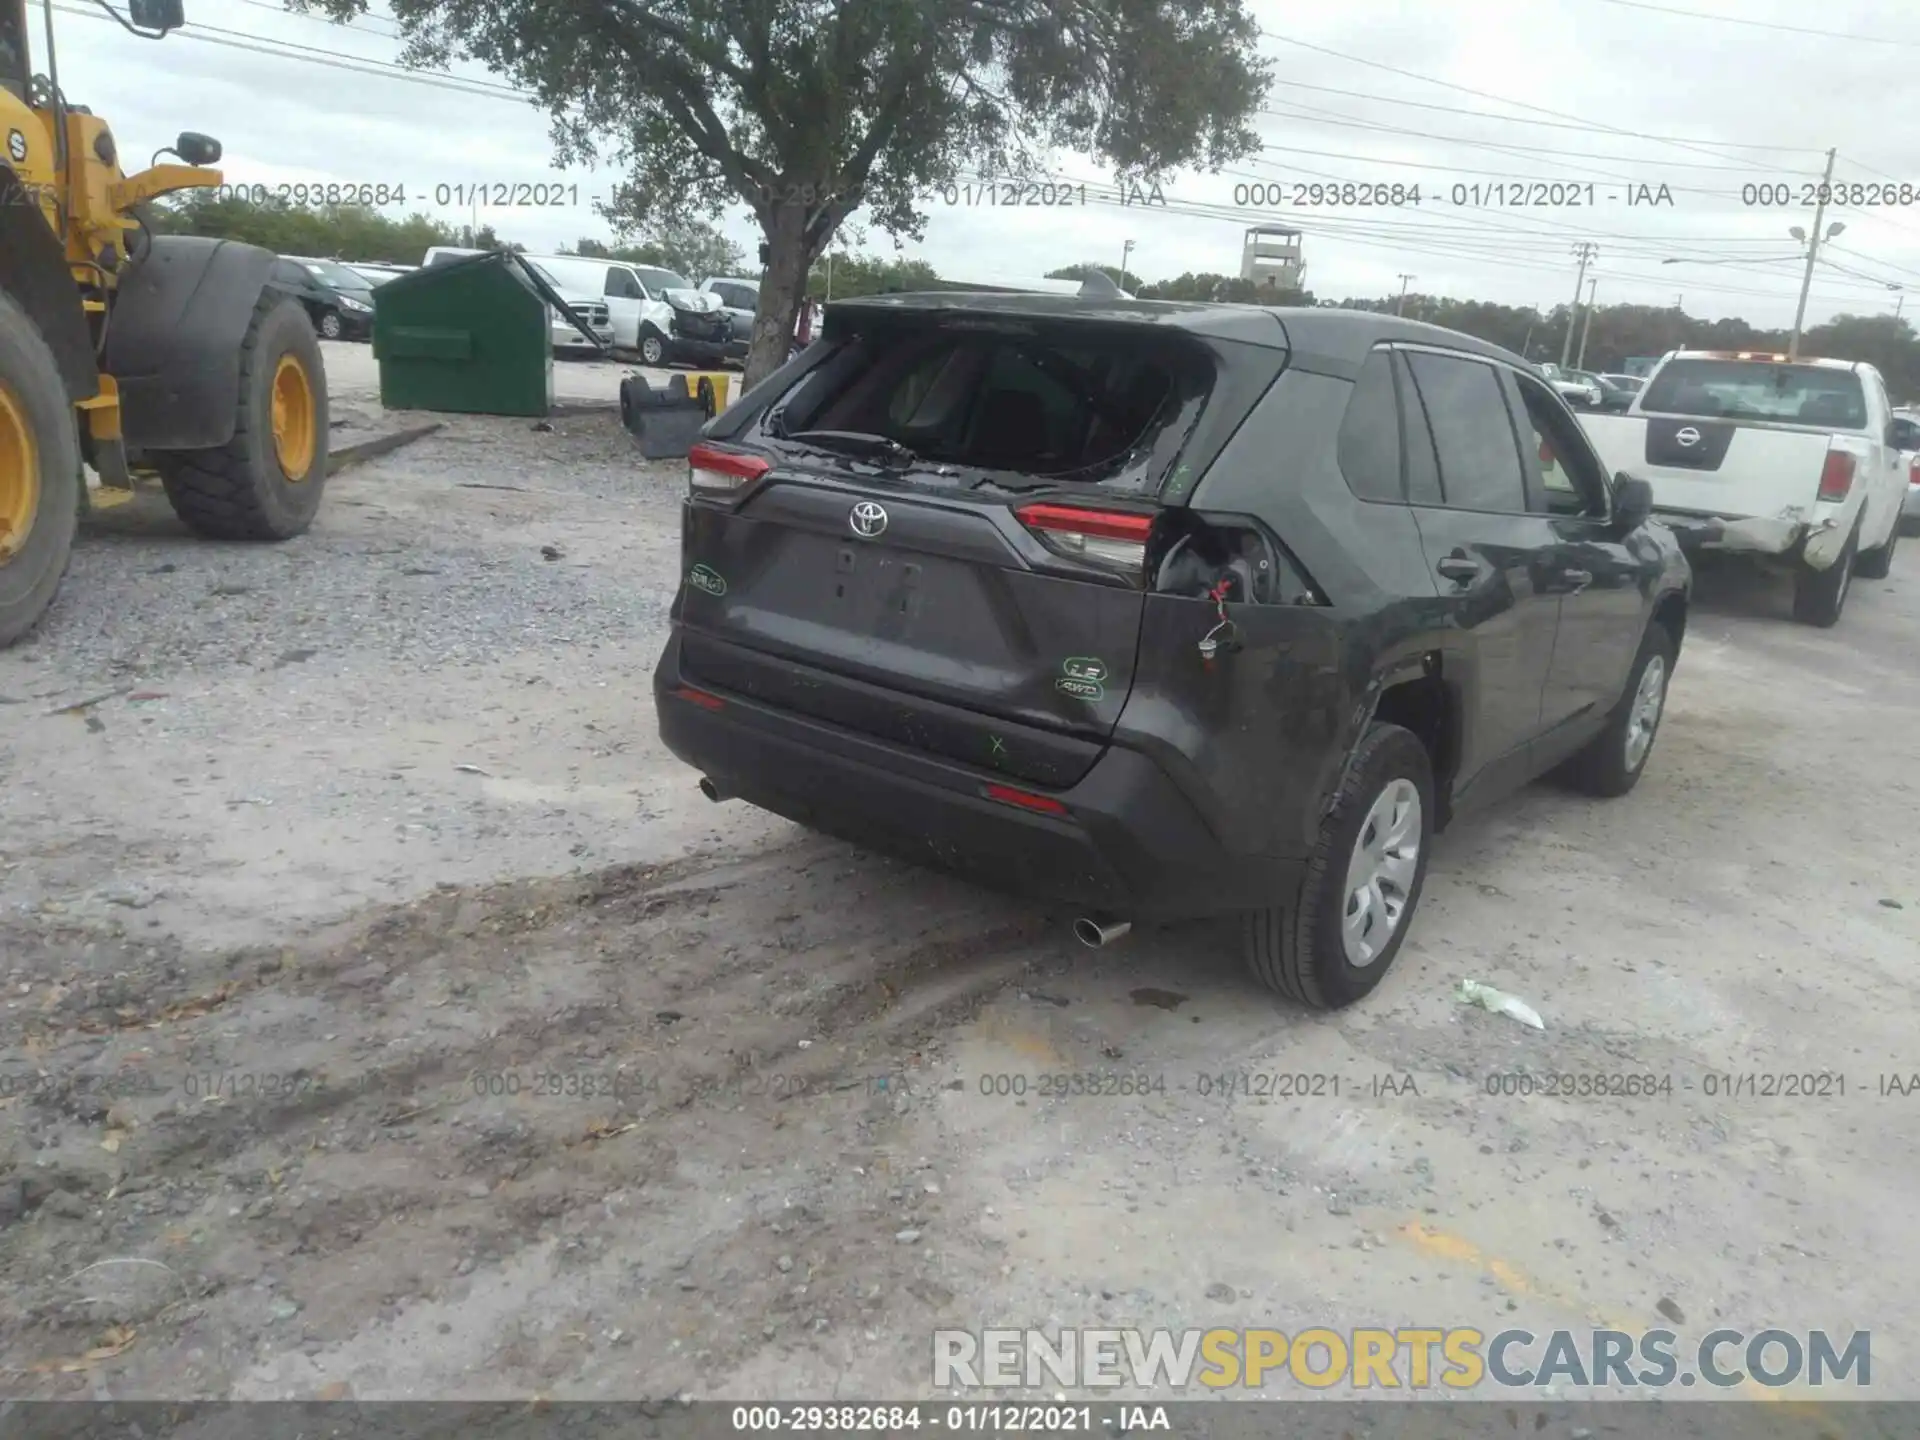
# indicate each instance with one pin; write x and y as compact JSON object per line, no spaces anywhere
{"x":40,"y":485}
{"x":265,"y":483}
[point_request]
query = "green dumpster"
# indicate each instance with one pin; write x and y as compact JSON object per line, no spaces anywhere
{"x":471,"y":336}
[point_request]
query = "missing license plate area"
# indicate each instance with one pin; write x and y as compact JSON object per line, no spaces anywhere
{"x":877,"y":591}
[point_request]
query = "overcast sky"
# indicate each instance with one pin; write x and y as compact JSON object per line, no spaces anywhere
{"x":1698,"y":95}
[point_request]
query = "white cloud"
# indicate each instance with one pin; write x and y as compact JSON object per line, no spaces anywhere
{"x":1719,"y":89}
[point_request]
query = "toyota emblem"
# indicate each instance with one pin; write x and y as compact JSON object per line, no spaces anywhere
{"x":867,"y":519}
{"x":1687,"y":436}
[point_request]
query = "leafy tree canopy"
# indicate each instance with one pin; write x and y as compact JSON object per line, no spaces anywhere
{"x":807,"y":110}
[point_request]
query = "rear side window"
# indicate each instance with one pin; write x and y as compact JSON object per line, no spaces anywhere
{"x":1073,"y":407}
{"x":1472,"y":433}
{"x":1757,"y":390}
{"x":1370,"y":433}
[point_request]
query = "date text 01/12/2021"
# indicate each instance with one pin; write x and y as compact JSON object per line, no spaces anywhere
{"x":1477,"y":195}
{"x":368,"y":194}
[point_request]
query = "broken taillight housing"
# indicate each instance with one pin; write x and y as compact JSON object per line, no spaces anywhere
{"x":713,"y":471}
{"x":1836,"y":476}
{"x":1114,"y":538}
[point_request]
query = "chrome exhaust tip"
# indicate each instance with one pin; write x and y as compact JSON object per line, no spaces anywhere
{"x":712,"y":790}
{"x":1095,"y":931}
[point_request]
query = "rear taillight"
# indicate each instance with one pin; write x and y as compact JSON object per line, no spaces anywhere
{"x":712,"y":471}
{"x":1110,"y":537}
{"x":1836,"y":476}
{"x":698,"y":697}
{"x":1025,"y":799}
{"x":1913,"y":471}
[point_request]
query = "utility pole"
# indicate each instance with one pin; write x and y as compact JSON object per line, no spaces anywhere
{"x":1399,"y":306}
{"x":1586,"y":250}
{"x":1586,"y":326}
{"x":1526,"y":345}
{"x":1125,"y":251}
{"x":1813,"y":249}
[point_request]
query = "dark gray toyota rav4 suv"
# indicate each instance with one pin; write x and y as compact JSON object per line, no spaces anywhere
{"x":1163,"y":610}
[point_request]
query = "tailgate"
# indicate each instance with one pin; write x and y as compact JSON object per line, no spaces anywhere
{"x":1715,"y":467}
{"x":936,"y":620}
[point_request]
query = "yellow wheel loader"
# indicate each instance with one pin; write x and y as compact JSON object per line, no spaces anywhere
{"x":127,"y":350}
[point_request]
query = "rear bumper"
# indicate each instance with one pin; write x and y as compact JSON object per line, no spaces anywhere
{"x":1129,"y":842}
{"x":1818,"y":542}
{"x":1910,"y":509}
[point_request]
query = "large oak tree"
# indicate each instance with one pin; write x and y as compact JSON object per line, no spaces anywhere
{"x":809,"y":109}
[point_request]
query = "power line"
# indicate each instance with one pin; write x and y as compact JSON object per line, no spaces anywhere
{"x":1766,"y":24}
{"x":1489,"y":249}
{"x":1683,"y":143}
{"x":323,"y":20}
{"x":347,"y":55}
{"x":1484,"y":114}
{"x":387,"y":71}
{"x":1334,"y":117}
{"x":1528,"y":149}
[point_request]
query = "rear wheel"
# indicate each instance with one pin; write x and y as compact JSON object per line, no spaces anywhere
{"x":40,"y":487}
{"x":264,"y":484}
{"x":1820,"y":595}
{"x":1335,"y":942}
{"x":1877,"y":564}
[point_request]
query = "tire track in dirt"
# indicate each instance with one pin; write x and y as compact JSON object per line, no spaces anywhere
{"x":521,"y":1054}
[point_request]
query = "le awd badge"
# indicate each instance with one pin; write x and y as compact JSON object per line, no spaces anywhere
{"x":1082,"y":677}
{"x":708,"y":580}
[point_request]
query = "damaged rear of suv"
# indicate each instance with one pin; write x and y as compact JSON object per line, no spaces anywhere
{"x":1077,"y":598}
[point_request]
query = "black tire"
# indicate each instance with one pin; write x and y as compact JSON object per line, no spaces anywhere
{"x":1606,"y":766}
{"x":1877,"y":564}
{"x":1297,"y":949}
{"x":653,"y":349}
{"x":30,"y":376}
{"x":1820,"y":595}
{"x":330,"y":325}
{"x":241,"y":491}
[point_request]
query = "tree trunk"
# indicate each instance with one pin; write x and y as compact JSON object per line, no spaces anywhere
{"x":782,"y":288}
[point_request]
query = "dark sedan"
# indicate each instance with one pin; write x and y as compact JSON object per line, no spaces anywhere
{"x":337,"y":299}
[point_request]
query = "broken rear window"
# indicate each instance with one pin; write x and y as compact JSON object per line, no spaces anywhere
{"x":1074,"y":406}
{"x":1758,"y":390}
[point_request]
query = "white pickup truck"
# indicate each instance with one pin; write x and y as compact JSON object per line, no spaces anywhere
{"x":1802,"y":460}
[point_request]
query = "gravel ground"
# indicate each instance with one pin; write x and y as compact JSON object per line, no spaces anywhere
{"x":387,"y":1016}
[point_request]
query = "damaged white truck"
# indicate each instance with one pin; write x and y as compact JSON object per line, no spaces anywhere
{"x":1802,"y":461}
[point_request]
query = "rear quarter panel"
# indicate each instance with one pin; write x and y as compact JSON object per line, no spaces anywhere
{"x":1265,"y":733}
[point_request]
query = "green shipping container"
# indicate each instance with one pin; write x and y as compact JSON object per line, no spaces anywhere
{"x":470,"y":336}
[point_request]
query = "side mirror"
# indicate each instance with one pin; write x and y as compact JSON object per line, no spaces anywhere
{"x":161,"y":15}
{"x":1903,"y":434}
{"x":197,"y":149}
{"x":1632,"y":501}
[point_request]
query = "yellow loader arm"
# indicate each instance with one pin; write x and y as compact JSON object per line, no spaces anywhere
{"x":160,"y":180}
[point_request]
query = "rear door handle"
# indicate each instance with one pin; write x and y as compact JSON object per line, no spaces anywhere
{"x":1458,"y":568}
